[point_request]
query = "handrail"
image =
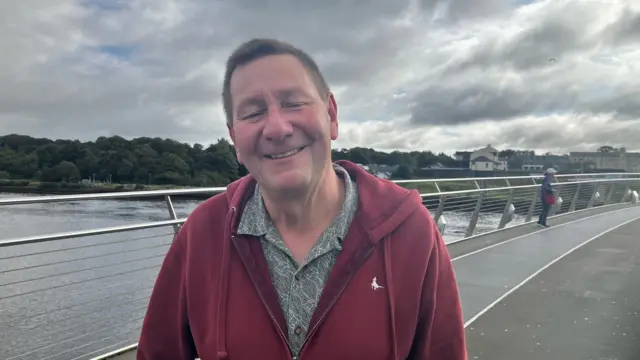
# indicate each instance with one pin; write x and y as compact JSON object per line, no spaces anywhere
{"x":515,"y":187}
{"x":210,"y":190}
{"x":520,"y":177}
{"x":173,"y":222}
{"x":108,"y":196}
{"x":92,"y":232}
{"x":117,"y":270}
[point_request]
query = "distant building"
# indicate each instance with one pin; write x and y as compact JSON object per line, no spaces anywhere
{"x":462,"y":159}
{"x":620,"y":159}
{"x":487,"y":159}
{"x":482,"y":163}
{"x":462,"y":156}
{"x":532,"y":167}
{"x":534,"y":162}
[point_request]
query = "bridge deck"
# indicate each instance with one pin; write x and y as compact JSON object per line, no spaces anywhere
{"x":585,"y":306}
{"x":568,"y":292}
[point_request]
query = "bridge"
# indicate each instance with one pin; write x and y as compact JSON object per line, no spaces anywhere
{"x":571,"y":291}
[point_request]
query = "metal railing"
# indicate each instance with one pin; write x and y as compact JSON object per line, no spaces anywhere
{"x":76,"y":271}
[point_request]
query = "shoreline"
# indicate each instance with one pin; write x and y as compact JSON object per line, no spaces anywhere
{"x":496,"y":205}
{"x":59,"y":189}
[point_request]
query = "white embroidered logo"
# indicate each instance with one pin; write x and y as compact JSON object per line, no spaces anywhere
{"x":374,"y":284}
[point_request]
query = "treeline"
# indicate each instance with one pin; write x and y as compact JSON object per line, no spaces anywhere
{"x":117,"y":160}
{"x":411,"y":160}
{"x":159,"y":161}
{"x":156,"y":161}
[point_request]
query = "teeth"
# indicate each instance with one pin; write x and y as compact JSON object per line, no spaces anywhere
{"x":283,"y":155}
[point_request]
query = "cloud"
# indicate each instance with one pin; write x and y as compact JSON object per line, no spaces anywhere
{"x":444,"y":75}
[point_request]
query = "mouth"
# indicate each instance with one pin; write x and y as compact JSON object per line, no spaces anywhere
{"x":285,"y":154}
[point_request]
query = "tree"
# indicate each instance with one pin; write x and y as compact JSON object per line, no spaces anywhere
{"x":141,"y":160}
{"x":65,"y":171}
{"x":607,"y":149}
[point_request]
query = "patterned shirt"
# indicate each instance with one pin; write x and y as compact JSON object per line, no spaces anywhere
{"x":299,"y":287}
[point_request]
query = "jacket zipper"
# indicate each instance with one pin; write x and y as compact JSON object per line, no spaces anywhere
{"x":273,"y":318}
{"x":333,"y":301}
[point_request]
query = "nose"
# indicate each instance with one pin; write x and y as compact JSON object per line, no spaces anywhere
{"x":277,"y":127}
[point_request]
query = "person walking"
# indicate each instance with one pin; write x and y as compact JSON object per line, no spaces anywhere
{"x":547,"y":196}
{"x":303,"y":258}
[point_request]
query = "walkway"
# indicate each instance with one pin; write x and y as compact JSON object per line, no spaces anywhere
{"x":570,"y":292}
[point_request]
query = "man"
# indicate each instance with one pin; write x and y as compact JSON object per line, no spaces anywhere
{"x":302,"y":259}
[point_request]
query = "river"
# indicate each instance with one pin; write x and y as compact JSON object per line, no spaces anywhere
{"x":77,"y":298}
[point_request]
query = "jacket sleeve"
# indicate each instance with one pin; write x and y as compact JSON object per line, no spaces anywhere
{"x":165,"y":331}
{"x":440,"y":331}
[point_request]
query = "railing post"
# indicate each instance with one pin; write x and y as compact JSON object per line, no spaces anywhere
{"x":627,"y":194}
{"x":505,"y":212}
{"x":474,"y":216}
{"x":572,"y":207}
{"x":172,"y":212}
{"x":612,"y":188}
{"x":532,"y":206}
{"x":440,"y":208}
{"x":441,"y":225}
{"x":592,"y":199}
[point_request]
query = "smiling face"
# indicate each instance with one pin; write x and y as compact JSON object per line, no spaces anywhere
{"x":282,"y":127}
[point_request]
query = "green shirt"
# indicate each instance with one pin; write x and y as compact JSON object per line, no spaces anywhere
{"x":299,"y":287}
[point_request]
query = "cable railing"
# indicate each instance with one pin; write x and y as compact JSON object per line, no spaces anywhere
{"x":76,"y":271}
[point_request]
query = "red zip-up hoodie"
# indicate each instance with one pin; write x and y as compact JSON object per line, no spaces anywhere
{"x":214,"y":298}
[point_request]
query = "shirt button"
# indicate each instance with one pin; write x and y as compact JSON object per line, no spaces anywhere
{"x":299,"y":330}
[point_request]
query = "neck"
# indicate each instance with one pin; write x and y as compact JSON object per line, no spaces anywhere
{"x":317,"y":205}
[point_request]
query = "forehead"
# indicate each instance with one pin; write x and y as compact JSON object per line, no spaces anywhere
{"x":274,"y":73}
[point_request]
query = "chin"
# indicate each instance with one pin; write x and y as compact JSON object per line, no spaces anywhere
{"x":292,"y":181}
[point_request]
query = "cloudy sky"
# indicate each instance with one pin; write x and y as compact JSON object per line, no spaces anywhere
{"x":553,"y":75}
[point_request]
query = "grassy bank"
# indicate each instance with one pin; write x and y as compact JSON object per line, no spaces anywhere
{"x":46,"y":188}
{"x":38,"y":187}
{"x":62,"y":188}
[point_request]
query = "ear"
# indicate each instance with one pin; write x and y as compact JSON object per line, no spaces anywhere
{"x":232,"y":135}
{"x":332,"y":110}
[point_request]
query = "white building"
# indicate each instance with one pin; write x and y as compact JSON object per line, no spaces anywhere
{"x":532,"y":167}
{"x":486,"y":159}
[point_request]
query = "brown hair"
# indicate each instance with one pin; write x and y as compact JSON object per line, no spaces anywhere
{"x":258,"y":48}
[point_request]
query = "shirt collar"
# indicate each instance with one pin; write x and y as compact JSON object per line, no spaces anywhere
{"x":255,"y":219}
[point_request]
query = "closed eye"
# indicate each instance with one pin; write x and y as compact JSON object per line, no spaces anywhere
{"x":253,"y":115}
{"x":293,"y":105}
{"x":286,"y":105}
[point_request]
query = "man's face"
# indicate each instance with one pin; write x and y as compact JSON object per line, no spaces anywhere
{"x":282,"y":127}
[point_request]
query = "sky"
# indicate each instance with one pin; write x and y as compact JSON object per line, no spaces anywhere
{"x":550,"y":75}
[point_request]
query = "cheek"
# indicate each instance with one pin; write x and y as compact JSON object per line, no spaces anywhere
{"x":243,"y":135}
{"x":244,"y":144}
{"x":314,"y":125}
